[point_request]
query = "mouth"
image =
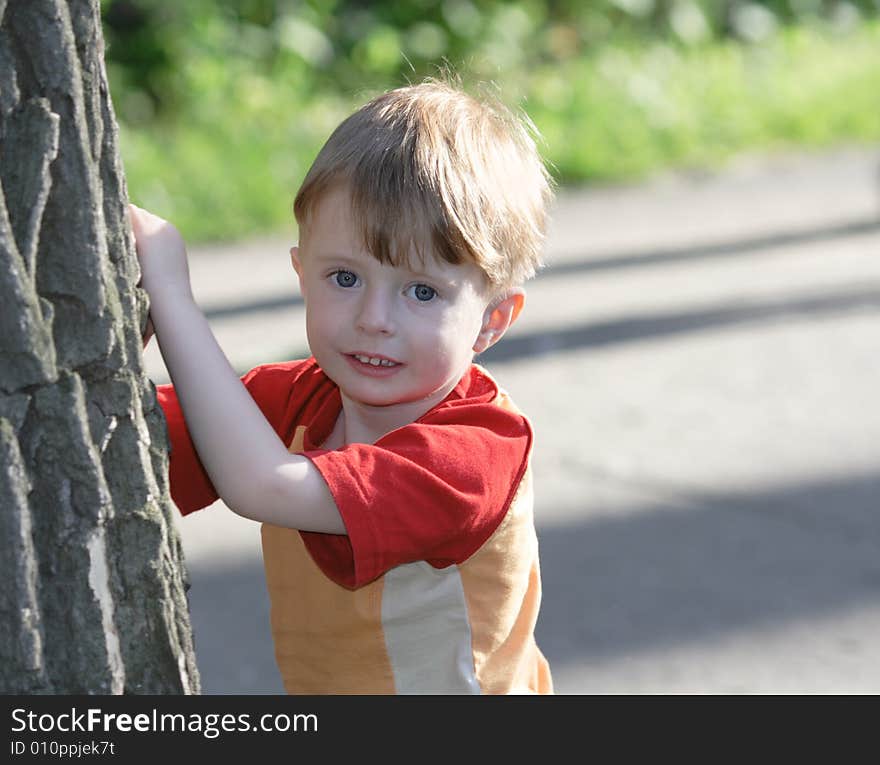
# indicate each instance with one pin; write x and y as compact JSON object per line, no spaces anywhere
{"x":374,"y":361}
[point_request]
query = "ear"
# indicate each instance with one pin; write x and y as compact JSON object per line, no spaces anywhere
{"x":297,"y":266}
{"x":498,"y":317}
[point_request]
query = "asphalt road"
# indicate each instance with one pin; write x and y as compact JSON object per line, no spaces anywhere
{"x":701,"y":364}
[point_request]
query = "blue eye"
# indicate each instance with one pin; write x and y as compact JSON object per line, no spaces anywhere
{"x":423,"y":293}
{"x":345,"y":278}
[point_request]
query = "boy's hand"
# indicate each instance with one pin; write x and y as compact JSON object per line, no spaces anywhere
{"x":162,"y":255}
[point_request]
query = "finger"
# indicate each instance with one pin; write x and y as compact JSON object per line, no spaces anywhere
{"x":136,"y":215}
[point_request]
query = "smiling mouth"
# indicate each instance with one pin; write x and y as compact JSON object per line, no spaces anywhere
{"x":374,"y":361}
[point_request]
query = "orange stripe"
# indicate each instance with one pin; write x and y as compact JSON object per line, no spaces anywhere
{"x":503,"y":596}
{"x":342,"y":650}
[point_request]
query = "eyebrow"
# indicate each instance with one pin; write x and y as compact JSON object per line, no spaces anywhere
{"x":336,"y":256}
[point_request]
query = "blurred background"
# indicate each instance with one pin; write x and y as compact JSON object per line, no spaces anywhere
{"x":700,"y":358}
{"x":224,"y":103}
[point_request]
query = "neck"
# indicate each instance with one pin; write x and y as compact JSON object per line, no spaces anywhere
{"x":365,"y":424}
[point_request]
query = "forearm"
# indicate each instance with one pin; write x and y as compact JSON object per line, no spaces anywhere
{"x":248,"y":463}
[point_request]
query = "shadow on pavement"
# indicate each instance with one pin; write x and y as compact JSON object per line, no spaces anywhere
{"x":687,"y":570}
{"x":229,"y":610}
{"x":669,"y":324}
{"x":253,"y":306}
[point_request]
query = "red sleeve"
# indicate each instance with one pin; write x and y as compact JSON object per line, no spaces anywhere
{"x":434,"y":490}
{"x":191,"y":489}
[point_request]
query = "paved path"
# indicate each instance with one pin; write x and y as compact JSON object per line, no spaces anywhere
{"x":708,"y":458}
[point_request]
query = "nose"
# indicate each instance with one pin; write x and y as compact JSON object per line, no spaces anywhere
{"x":376,"y":312}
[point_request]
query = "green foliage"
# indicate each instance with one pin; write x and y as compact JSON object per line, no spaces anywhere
{"x":645,"y":108}
{"x":224,"y":103}
{"x":349,"y":45}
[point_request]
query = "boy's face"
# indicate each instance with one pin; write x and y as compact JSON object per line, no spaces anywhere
{"x":386,"y":334}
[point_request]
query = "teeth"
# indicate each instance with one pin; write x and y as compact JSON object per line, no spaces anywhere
{"x":372,"y":361}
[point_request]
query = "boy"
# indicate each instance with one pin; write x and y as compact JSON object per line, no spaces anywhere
{"x":390,"y":473}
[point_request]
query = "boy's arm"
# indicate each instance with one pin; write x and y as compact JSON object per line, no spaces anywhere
{"x":248,"y":463}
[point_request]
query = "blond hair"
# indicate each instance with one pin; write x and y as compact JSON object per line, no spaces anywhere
{"x":429,"y":166}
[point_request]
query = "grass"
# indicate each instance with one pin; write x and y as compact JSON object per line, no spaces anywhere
{"x":230,"y":165}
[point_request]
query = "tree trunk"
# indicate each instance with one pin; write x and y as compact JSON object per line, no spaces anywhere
{"x":93,"y":596}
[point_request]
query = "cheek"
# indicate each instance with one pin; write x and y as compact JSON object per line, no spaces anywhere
{"x":320,"y":320}
{"x":470,"y":322}
{"x":456,"y":336}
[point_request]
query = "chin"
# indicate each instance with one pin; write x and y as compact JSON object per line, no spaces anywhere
{"x":386,"y":399}
{"x":375,"y":401}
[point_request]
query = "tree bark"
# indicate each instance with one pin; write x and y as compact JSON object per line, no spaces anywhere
{"x":93,"y":583}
